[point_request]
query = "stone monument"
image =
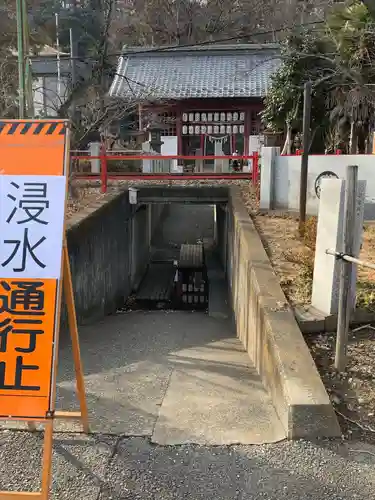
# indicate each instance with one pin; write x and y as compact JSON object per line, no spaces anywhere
{"x":326,"y":281}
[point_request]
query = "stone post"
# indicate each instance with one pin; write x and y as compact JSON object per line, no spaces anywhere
{"x":199,"y":163}
{"x":218,"y":151}
{"x":95,"y":151}
{"x":325,"y":294}
{"x":267,"y":178}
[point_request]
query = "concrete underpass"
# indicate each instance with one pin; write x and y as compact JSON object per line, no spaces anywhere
{"x":174,"y":376}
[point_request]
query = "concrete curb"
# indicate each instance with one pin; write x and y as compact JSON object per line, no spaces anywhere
{"x":266,"y":325}
{"x":311,"y":320}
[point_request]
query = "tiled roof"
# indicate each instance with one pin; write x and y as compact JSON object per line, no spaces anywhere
{"x":200,"y":72}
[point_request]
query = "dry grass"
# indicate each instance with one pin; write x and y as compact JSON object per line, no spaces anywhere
{"x":292,"y":257}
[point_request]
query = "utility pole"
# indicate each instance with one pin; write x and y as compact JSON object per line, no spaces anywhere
{"x":21,"y":59}
{"x":73,"y":58}
{"x":29,"y":102}
{"x":305,"y":156}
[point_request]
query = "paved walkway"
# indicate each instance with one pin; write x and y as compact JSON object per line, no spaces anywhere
{"x":175,"y":377}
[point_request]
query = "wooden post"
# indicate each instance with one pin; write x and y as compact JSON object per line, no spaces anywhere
{"x":345,"y":306}
{"x":179,"y":135}
{"x":47,"y":460}
{"x":305,"y":157}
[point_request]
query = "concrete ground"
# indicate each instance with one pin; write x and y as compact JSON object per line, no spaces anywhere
{"x":174,"y":377}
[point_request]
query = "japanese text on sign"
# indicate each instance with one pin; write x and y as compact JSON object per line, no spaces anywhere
{"x":31,"y":226}
{"x":31,"y":233}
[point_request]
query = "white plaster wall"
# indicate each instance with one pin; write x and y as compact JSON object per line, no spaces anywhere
{"x":287,"y":179}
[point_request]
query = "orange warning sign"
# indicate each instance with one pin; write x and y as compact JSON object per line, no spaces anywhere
{"x":33,"y":163}
{"x":32,"y":147}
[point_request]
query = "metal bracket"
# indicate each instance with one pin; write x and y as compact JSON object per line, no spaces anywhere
{"x":340,"y":256}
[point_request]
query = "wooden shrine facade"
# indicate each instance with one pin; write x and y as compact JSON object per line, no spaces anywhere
{"x":195,"y":121}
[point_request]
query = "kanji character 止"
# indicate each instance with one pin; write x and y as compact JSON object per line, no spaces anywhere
{"x":20,"y":367}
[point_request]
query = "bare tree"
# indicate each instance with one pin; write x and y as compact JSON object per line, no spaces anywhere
{"x":178,"y":22}
{"x":8,"y":85}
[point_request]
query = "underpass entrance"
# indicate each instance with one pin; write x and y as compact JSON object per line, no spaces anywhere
{"x":179,"y":374}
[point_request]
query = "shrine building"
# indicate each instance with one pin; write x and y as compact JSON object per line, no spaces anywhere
{"x":200,"y":94}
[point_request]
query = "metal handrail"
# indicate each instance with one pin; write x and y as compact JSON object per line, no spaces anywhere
{"x":349,"y":258}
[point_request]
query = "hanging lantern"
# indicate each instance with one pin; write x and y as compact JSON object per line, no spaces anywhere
{"x":191,"y":117}
{"x":222,"y":129}
{"x":184,"y":117}
{"x":191,"y":129}
{"x":229,"y":117}
{"x":209,"y":129}
{"x":197,"y":117}
{"x":235,"y":129}
{"x":235,"y":116}
{"x":242,"y":116}
{"x":242,"y":129}
{"x":216,"y":129}
{"x":229,"y":129}
{"x":197,"y":129}
{"x":203,"y":129}
{"x":204,"y":117}
{"x":184,"y":129}
{"x":216,"y":117}
{"x":222,"y":117}
{"x":209,"y":117}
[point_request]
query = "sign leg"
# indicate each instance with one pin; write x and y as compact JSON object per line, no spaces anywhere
{"x":72,"y":319}
{"x":47,"y":460}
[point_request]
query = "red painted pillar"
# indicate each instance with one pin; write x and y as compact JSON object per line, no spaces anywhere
{"x":255,"y":174}
{"x":233,"y":139}
{"x":103,"y":168}
{"x":202,"y":144}
{"x":246,"y":134}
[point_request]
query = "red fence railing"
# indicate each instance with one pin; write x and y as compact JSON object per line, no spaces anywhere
{"x":186,"y":172}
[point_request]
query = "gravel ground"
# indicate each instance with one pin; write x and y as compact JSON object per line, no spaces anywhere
{"x":109,"y":468}
{"x":351,"y":393}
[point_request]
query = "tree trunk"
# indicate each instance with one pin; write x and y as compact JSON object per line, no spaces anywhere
{"x":353,"y":141}
{"x":287,"y":148}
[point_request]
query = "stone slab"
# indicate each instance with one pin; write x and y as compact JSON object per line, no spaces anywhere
{"x":312,"y":321}
{"x":216,"y":397}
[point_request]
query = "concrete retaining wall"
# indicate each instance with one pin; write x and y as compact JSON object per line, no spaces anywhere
{"x":109,"y":248}
{"x":266,"y":325}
